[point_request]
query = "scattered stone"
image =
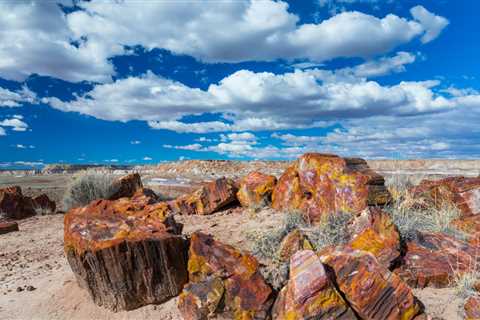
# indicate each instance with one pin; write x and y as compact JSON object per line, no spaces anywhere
{"x":246,"y":293}
{"x":433,"y":259}
{"x":19,"y":289}
{"x":375,"y":232}
{"x":8,"y":226}
{"x":43,"y":205}
{"x":31,"y":288}
{"x":320,"y":184}
{"x":212,"y":197}
{"x":291,"y":243}
{"x":256,"y":189}
{"x":200,"y":300}
{"x":309,"y":293}
{"x":14,"y":205}
{"x":126,"y":186}
{"x":472,"y":308}
{"x":461,"y":192}
{"x":126,"y":256}
{"x":371,"y":289}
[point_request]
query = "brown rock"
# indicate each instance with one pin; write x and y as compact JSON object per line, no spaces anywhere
{"x":461,"y":192}
{"x":375,"y":232}
{"x":43,"y":205}
{"x":432,"y":260}
{"x":294,"y":241}
{"x":371,"y":289}
{"x":309,"y":293}
{"x":200,"y":300}
{"x":246,"y":293}
{"x":8,"y":226}
{"x":320,"y":184}
{"x":124,"y":256}
{"x":472,"y":308}
{"x":212,"y":197}
{"x":256,"y":190}
{"x":14,"y":205}
{"x":126,"y":186}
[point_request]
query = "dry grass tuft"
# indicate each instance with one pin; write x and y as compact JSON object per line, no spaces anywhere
{"x":87,"y":186}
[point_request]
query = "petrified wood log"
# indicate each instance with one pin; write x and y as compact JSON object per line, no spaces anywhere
{"x":371,"y":290}
{"x":43,"y":205}
{"x":208,"y":199}
{"x":8,"y":226}
{"x":256,"y":189}
{"x":14,"y":205}
{"x":126,"y":186}
{"x":125,"y":259}
{"x":321,"y":184}
{"x":309,"y":293}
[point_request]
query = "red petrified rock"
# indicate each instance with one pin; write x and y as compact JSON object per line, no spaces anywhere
{"x":256,"y":189}
{"x":375,"y":232}
{"x":371,"y":290}
{"x":246,"y":293}
{"x":320,"y":184}
{"x":464,"y":193}
{"x":200,"y":300}
{"x":43,"y":205}
{"x":294,"y":241}
{"x":433,"y":259}
{"x":472,"y":308}
{"x":125,"y":256}
{"x":309,"y":293}
{"x":8,"y":226}
{"x":126,"y":186}
{"x":14,"y":205}
{"x":208,"y":199}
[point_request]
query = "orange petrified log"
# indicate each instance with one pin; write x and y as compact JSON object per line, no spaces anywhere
{"x":320,"y":184}
{"x":124,"y":256}
{"x":256,"y":189}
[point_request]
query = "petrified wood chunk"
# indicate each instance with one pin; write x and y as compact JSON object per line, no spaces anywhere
{"x":246,"y":293}
{"x":320,"y":184}
{"x":126,"y":186}
{"x":472,"y":308}
{"x":200,"y":300}
{"x":372,"y":291}
{"x":374,"y":232}
{"x":461,"y":192}
{"x":309,"y":293}
{"x":208,"y":199}
{"x":294,"y":241}
{"x":8,"y":226}
{"x":256,"y":189}
{"x":43,"y":205}
{"x":433,"y":259}
{"x":125,"y":259}
{"x":14,"y":205}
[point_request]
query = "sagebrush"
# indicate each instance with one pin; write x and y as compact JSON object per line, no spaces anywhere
{"x":87,"y":186}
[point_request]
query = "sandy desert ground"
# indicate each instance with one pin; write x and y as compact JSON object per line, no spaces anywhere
{"x":36,"y":281}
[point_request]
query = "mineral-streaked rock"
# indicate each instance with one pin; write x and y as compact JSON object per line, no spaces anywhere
{"x":461,"y":192}
{"x":126,"y":186}
{"x":375,"y":232}
{"x":320,"y":184}
{"x":309,"y":293}
{"x":43,"y":205}
{"x":14,"y":205}
{"x":371,"y":289}
{"x":294,"y":241}
{"x":208,"y":199}
{"x":472,"y":308}
{"x":200,"y":300}
{"x":432,"y":260}
{"x":246,"y":293}
{"x":256,"y":189}
{"x":125,"y":257}
{"x":8,"y":226}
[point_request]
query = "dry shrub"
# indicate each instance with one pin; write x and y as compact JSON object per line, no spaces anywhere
{"x":87,"y":186}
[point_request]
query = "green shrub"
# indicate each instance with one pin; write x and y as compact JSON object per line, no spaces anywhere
{"x":331,"y":231}
{"x":87,"y":186}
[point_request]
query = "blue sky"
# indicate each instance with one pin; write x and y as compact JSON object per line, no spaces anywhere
{"x":129,"y":82}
